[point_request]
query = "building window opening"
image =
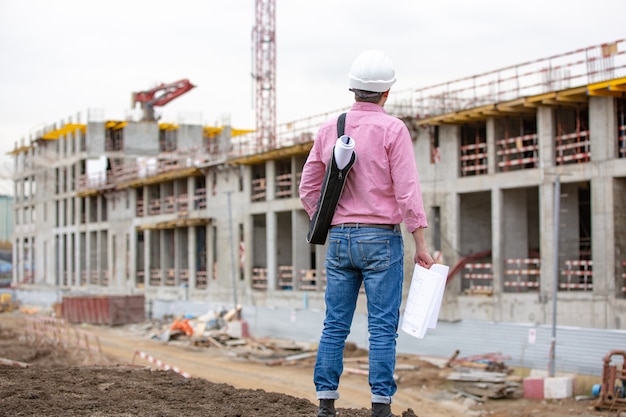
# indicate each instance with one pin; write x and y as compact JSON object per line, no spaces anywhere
{"x":473,"y":150}
{"x":573,"y":144}
{"x":518,"y":149}
{"x":433,"y":132}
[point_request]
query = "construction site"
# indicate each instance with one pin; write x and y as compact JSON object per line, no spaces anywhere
{"x":523,"y":173}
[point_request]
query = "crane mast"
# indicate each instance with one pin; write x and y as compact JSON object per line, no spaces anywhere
{"x":264,"y":73}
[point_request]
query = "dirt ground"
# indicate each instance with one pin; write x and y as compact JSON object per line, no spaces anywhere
{"x":98,"y":371}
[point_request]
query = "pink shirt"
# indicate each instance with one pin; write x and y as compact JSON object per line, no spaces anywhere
{"x":383,"y":185}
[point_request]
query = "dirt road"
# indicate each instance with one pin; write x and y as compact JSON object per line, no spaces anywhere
{"x":218,"y":366}
{"x":42,"y":368}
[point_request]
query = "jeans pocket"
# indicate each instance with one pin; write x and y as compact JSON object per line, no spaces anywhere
{"x":376,"y":254}
{"x":333,"y":253}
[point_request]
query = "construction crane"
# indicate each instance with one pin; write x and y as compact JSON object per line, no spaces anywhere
{"x":159,"y":96}
{"x":264,"y":72}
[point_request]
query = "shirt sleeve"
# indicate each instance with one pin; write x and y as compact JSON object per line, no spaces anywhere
{"x":312,"y":177}
{"x":406,"y":180}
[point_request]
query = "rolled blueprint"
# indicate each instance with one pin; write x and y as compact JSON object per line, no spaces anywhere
{"x":343,"y":151}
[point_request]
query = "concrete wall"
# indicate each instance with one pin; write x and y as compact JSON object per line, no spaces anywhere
{"x":141,"y":138}
{"x":189,"y":136}
{"x":96,"y":144}
{"x":6,"y":217}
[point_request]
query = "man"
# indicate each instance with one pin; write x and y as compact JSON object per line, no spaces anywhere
{"x":365,"y":243}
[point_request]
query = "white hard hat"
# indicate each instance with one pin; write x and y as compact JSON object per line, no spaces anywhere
{"x":372,"y":71}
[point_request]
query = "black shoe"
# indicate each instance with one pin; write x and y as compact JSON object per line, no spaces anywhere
{"x":326,"y":408}
{"x":381,"y":410}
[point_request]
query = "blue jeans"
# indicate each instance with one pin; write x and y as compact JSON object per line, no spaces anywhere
{"x":374,"y":257}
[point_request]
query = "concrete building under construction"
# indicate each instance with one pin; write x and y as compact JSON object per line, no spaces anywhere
{"x":523,"y":171}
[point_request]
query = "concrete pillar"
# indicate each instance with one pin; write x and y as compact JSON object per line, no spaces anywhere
{"x":451,"y":225}
{"x":603,"y":128}
{"x":546,"y":146}
{"x":69,"y":250}
{"x":111,"y":263}
{"x":547,"y":244}
{"x":603,"y":251}
{"x":300,"y":248}
{"x":497,"y":239}
{"x":57,"y":280}
{"x":192,"y":253}
{"x":87,"y":255}
{"x":147,"y":237}
{"x":99,"y":251}
{"x":248,"y":230}
{"x":177,"y":255}
{"x":191,"y":192}
{"x":160,"y":234}
{"x":545,"y":137}
{"x":211,"y":261}
{"x":33,"y":260}
{"x":497,"y":243}
{"x":602,"y":237}
{"x":17,"y":271}
{"x":491,"y":146}
{"x":78,"y":249}
{"x":272,"y":242}
{"x":130,"y":255}
{"x":270,"y":180}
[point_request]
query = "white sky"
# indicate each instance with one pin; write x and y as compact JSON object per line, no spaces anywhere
{"x":62,"y":57}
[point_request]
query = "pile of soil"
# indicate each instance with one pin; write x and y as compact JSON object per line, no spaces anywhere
{"x":65,"y":381}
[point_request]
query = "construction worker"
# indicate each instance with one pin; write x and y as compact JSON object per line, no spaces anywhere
{"x":365,"y":242}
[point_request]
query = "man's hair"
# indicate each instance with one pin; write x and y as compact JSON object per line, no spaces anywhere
{"x":366,"y":96}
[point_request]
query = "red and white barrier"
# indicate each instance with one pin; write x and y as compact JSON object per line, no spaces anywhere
{"x":160,"y":363}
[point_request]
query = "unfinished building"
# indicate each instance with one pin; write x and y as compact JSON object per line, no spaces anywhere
{"x":523,"y":172}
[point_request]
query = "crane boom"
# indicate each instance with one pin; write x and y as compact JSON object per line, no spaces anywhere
{"x":160,"y":96}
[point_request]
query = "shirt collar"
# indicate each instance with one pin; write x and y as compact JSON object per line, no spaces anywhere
{"x":363,"y":106}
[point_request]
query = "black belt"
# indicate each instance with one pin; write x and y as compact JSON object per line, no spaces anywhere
{"x":361,"y":225}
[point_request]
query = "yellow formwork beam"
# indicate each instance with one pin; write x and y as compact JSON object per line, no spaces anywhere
{"x":21,"y":149}
{"x":612,"y":88}
{"x":64,"y":131}
{"x":172,"y":224}
{"x":295,"y":150}
{"x":156,"y":179}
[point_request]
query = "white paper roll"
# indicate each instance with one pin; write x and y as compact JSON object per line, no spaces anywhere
{"x":343,"y":151}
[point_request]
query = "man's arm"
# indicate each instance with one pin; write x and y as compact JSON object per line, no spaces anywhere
{"x":422,"y":256}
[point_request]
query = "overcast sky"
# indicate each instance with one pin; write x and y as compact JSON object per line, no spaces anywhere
{"x":63,"y":57}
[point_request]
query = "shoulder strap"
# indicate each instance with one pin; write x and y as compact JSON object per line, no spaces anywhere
{"x":341,"y":124}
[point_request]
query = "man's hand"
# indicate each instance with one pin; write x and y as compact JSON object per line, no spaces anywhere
{"x":423,"y":259}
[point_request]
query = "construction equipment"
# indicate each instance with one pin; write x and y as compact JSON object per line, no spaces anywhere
{"x":6,"y":303}
{"x":613,"y":389}
{"x":159,"y":96}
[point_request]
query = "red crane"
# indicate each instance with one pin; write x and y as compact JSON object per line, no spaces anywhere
{"x":159,"y":96}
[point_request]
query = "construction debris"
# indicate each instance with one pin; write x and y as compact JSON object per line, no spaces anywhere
{"x":478,"y":377}
{"x":483,"y":377}
{"x":225,"y":330}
